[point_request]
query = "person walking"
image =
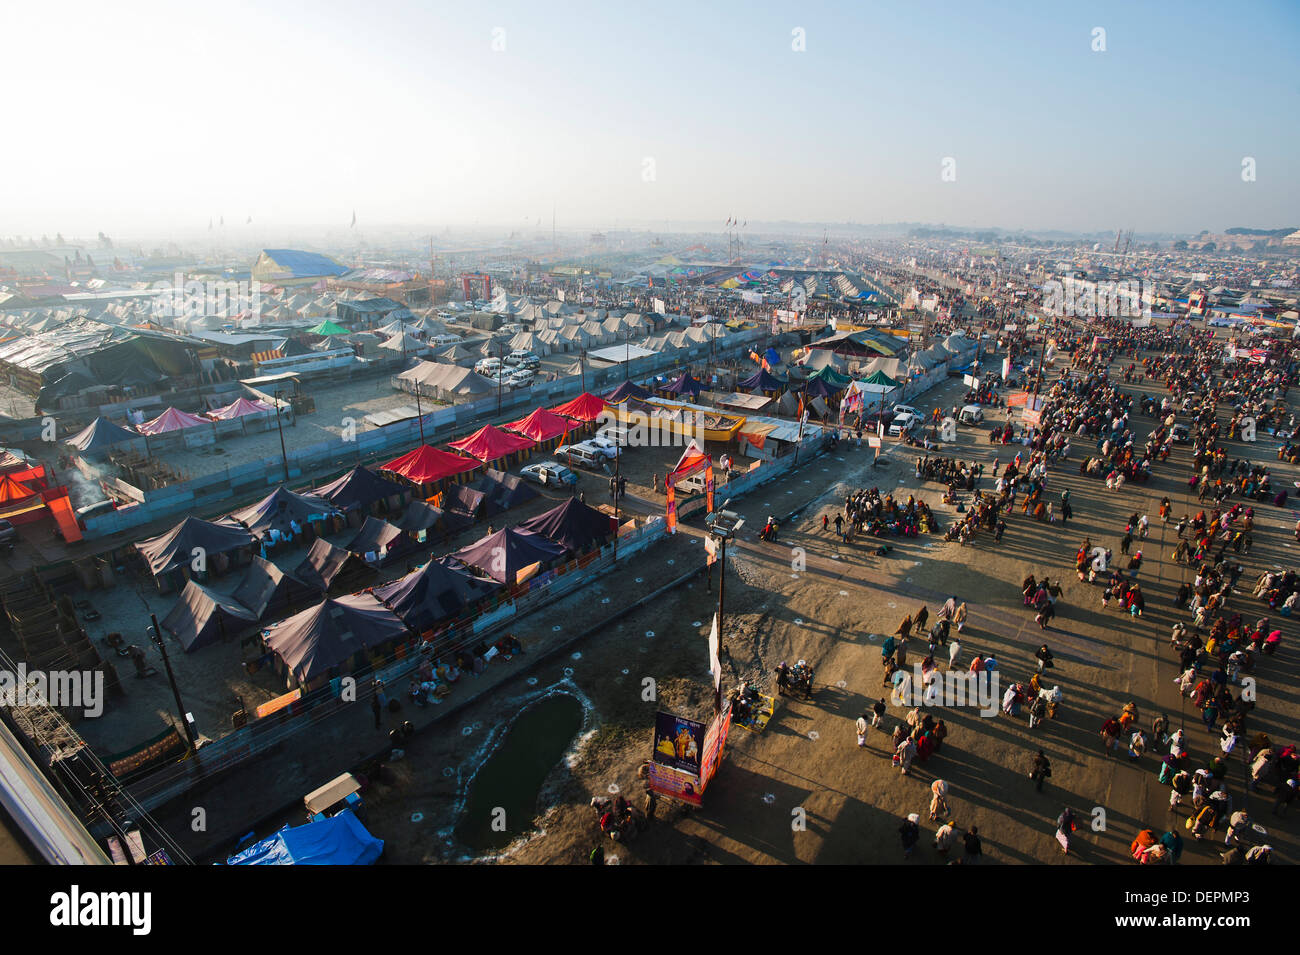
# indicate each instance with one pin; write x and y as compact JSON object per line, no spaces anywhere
{"x":1045,"y":659}
{"x":910,"y":833}
{"x":974,"y":849}
{"x":1041,"y":770}
{"x":878,"y":714}
{"x":938,"y":799}
{"x":862,"y":729}
{"x":906,"y":752}
{"x":1065,"y":826}
{"x":377,"y":708}
{"x":954,"y":651}
{"x":1046,"y":614}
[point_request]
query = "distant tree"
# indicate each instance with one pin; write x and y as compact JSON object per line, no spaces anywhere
{"x":1209,"y":247}
{"x":58,"y":239}
{"x":1180,"y":245}
{"x":105,"y":242}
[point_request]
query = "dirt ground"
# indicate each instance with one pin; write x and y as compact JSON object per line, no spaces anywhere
{"x":833,"y":614}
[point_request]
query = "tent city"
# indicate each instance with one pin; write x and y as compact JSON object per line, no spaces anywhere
{"x":817,"y":443}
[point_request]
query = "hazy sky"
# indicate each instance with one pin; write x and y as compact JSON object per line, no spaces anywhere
{"x":154,"y":117}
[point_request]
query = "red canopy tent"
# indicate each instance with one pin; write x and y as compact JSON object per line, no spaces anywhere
{"x":541,"y":425}
{"x":585,"y":407}
{"x":18,"y":502}
{"x":171,"y":420}
{"x":489,"y":444}
{"x":425,"y":465}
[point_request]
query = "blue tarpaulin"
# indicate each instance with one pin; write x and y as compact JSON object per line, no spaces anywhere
{"x":338,"y":840}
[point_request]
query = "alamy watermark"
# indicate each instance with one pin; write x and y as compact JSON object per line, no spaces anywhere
{"x":194,"y":298}
{"x":73,"y":689}
{"x":1077,"y":298}
{"x":951,"y":689}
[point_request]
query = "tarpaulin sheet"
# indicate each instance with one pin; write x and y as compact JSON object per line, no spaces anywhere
{"x":337,"y":840}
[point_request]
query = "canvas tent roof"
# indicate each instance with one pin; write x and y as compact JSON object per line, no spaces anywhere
{"x":761,"y":380}
{"x":171,"y":420}
{"x":433,"y":593}
{"x":541,"y":425}
{"x":585,"y":407}
{"x":575,"y":526}
{"x":238,"y":408}
{"x":629,"y":389}
{"x":489,"y":444}
{"x":100,"y":435}
{"x":684,"y":384}
{"x":266,"y":588}
{"x":199,"y":616}
{"x":320,"y":638}
{"x":278,"y":508}
{"x":359,"y":488}
{"x":340,"y":839}
{"x":461,"y":507}
{"x":175,"y":548}
{"x":323,"y":565}
{"x":426,"y":464}
{"x":327,"y":327}
{"x":502,"y":491}
{"x":420,"y":516}
{"x":509,"y":555}
{"x":377,"y":536}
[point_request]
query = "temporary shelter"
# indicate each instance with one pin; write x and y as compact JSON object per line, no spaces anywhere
{"x":489,"y":444}
{"x":331,"y":634}
{"x":202,"y":616}
{"x":176,"y":548}
{"x":510,"y":556}
{"x":426,"y":465}
{"x":434,"y":592}
{"x":575,"y":526}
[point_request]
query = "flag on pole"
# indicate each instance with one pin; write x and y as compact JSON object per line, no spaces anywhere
{"x":354,"y":219}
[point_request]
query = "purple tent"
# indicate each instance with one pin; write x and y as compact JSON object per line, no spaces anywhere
{"x":684,"y":385}
{"x":575,"y":526}
{"x":508,"y":554}
{"x":320,"y":638}
{"x":433,"y":593}
{"x":626,"y":390}
{"x":358,"y":488}
{"x":761,"y":380}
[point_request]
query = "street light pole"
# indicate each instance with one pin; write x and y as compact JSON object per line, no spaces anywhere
{"x":284,"y":455}
{"x":171,"y":678}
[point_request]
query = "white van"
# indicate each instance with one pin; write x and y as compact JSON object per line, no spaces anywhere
{"x":488,"y":367}
{"x":971,"y":414}
{"x":580,"y":456}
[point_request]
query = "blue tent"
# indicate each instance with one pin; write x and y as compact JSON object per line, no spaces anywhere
{"x":773,"y":357}
{"x":338,"y":840}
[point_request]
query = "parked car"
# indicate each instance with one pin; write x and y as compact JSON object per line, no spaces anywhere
{"x":549,"y":473}
{"x":1182,"y":434}
{"x":903,"y":424}
{"x":905,"y":409}
{"x":603,"y":445}
{"x":971,"y":414}
{"x":582,"y":456}
{"x":488,"y":367}
{"x":521,"y":378}
{"x":8,"y":536}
